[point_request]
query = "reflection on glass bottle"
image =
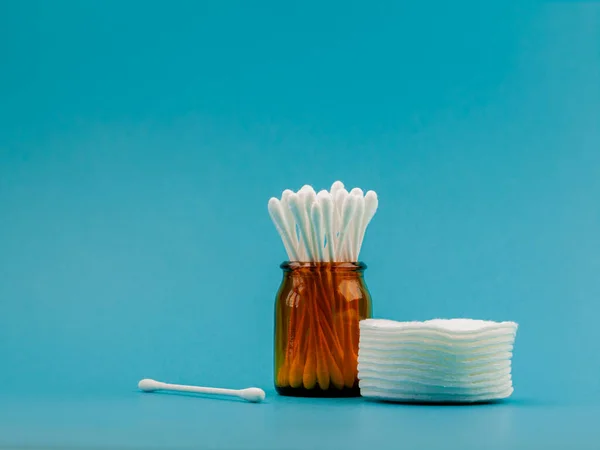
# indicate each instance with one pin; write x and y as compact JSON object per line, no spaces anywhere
{"x":317,"y":311}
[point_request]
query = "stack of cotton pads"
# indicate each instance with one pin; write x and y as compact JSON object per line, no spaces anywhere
{"x":438,"y":361}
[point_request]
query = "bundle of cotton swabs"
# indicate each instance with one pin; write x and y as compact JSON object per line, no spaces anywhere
{"x":325,"y":226}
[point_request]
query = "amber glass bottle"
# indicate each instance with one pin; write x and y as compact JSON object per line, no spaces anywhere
{"x":317,"y":311}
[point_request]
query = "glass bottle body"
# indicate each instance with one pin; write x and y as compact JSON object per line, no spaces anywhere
{"x":317,"y":310}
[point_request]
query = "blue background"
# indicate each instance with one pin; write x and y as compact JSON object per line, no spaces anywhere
{"x":141,"y":141}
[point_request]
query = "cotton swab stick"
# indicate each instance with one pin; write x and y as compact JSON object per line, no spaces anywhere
{"x":278,"y":219}
{"x":336,"y":186}
{"x":306,"y":196}
{"x":309,"y":197}
{"x":339,"y":198}
{"x":326,"y":201}
{"x":285,"y":196}
{"x":316,"y":216}
{"x":371,"y":203}
{"x":296,"y":205}
{"x":253,"y":394}
{"x":355,"y":223}
{"x":357,"y":220}
{"x":348,"y":210}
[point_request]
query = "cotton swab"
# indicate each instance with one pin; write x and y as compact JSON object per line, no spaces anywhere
{"x":296,"y":237}
{"x":306,"y":245}
{"x":355,"y":223}
{"x":357,"y":220}
{"x":327,"y":208}
{"x":253,"y":394}
{"x":348,"y":210}
{"x":285,"y":196}
{"x":278,"y":218}
{"x":296,"y":203}
{"x":371,"y":203}
{"x":309,"y":197}
{"x":336,"y":186}
{"x":339,"y":198}
{"x":316,"y":216}
{"x":331,"y":231}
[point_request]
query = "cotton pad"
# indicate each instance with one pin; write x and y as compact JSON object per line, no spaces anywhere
{"x":409,"y":397}
{"x":430,"y":389}
{"x":432,"y":355}
{"x":434,"y":369}
{"x":437,"y":360}
{"x":441,"y":377}
{"x":452,"y":327}
{"x":445,"y":349}
{"x":376,"y":337}
{"x":415,"y":382}
{"x":453,"y":364}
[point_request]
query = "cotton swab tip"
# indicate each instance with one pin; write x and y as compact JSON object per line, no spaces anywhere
{"x":148,"y":385}
{"x":337,"y":185}
{"x":322,"y":193}
{"x":254,"y":395}
{"x":357,"y":191}
{"x":307,"y":188}
{"x":285,"y":195}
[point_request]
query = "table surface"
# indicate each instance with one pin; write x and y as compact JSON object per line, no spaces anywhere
{"x":179,"y":421}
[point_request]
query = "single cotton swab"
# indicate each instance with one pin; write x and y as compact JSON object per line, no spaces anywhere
{"x":316,"y":216}
{"x":339,"y":198}
{"x":336,"y":186}
{"x":278,"y":218}
{"x":348,"y":210}
{"x":309,"y":197}
{"x":355,"y":223}
{"x":298,"y":209}
{"x":327,"y":208}
{"x":253,"y":394}
{"x":285,"y":196}
{"x":371,"y":203}
{"x":356,"y":227}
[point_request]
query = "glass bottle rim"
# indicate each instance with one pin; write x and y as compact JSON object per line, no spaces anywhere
{"x":338,"y":266}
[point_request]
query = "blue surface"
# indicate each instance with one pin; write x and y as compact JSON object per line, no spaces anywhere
{"x":137,"y":420}
{"x":140,"y":142}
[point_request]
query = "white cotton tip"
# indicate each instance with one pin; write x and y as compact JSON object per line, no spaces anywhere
{"x":339,"y":198}
{"x":348,"y":210}
{"x":254,"y":395}
{"x":286,"y":194}
{"x":347,"y":213}
{"x":316,"y":217}
{"x":148,"y":385}
{"x":297,"y":204}
{"x":357,"y":191}
{"x":371,"y":204}
{"x":327,"y":208}
{"x":336,"y":186}
{"x":322,"y":193}
{"x":311,"y":195}
{"x":283,"y":228}
{"x":289,"y":219}
{"x":356,"y":227}
{"x":307,"y":198}
{"x":307,"y":188}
